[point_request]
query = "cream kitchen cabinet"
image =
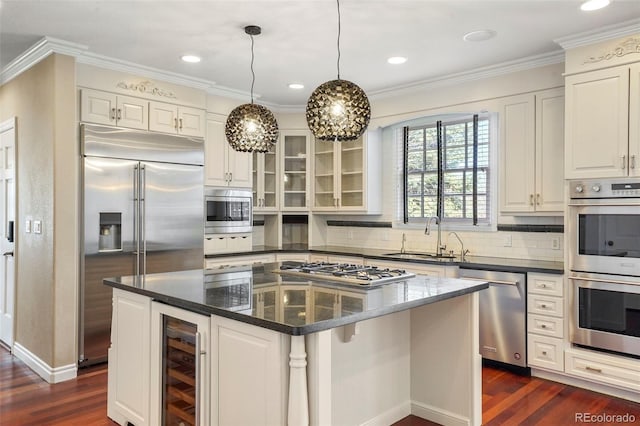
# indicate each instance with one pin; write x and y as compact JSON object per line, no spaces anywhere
{"x":295,"y":150}
{"x":129,"y":372}
{"x":265,"y":181}
{"x":602,"y":136}
{"x":545,"y":321}
{"x":227,"y":243}
{"x":170,"y":118}
{"x":225,"y":261}
{"x":532,"y":128}
{"x":223,"y":165}
{"x":108,"y":108}
{"x":348,"y":175}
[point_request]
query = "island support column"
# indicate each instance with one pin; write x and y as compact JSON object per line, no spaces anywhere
{"x":298,"y":411}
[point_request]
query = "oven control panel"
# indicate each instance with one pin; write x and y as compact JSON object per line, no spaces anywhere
{"x":605,"y":188}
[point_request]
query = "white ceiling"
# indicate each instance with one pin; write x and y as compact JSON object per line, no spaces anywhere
{"x":298,"y":40}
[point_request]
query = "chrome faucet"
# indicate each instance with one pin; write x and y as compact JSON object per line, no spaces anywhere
{"x":427,"y":231}
{"x":463,"y":252}
{"x":404,"y":240}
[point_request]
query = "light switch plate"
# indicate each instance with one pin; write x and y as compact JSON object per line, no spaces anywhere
{"x":27,"y":226}
{"x":37,"y":227}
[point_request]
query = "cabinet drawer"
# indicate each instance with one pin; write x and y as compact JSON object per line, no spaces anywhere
{"x":605,"y":368}
{"x":545,"y":305}
{"x":545,"y":352}
{"x":213,"y":245}
{"x":546,"y":325}
{"x":549,"y":285}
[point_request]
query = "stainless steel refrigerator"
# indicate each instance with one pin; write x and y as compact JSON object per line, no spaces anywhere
{"x":143,"y":210}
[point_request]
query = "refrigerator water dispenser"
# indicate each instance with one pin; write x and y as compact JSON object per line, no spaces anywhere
{"x":110,"y":232}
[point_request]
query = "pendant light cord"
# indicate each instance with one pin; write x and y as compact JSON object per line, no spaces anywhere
{"x":338,"y":2}
{"x":253,"y":74}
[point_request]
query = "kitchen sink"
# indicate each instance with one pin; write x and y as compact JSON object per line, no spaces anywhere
{"x":420,"y":255}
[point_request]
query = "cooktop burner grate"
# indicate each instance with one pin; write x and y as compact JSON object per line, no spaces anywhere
{"x":363,"y":275}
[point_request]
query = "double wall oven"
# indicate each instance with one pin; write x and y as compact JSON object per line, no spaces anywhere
{"x":604,"y":258}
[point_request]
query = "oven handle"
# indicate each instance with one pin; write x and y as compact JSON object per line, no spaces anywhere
{"x":599,"y":280}
{"x":607,"y":204}
{"x":514,"y":283}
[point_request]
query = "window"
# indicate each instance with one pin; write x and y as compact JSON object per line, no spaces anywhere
{"x":447,"y":191}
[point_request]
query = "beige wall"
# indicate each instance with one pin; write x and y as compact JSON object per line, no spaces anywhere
{"x":43,"y":100}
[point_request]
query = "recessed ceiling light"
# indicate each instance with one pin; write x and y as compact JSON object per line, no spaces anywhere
{"x":191,"y":58}
{"x":594,"y":5}
{"x":397,"y":60}
{"x":296,"y":86}
{"x":480,"y":35}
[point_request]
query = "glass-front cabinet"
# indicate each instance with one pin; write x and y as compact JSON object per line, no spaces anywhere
{"x":178,"y":364}
{"x":347,"y":175}
{"x":295,"y":180}
{"x":295,"y":306}
{"x":265,"y":181}
{"x":265,"y":303}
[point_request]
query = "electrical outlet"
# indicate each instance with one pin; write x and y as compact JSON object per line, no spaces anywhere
{"x":508,"y":241}
{"x":27,"y":226}
{"x":37,"y":227}
{"x":555,"y":243}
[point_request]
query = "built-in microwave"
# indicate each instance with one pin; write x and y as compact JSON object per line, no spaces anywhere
{"x":227,"y":210}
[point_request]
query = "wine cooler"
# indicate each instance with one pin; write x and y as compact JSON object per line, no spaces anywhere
{"x":181,"y":376}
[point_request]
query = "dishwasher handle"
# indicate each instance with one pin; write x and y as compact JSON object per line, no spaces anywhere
{"x":513,"y":283}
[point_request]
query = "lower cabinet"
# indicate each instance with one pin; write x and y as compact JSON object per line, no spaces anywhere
{"x":128,"y":372}
{"x":180,"y":366}
{"x":545,"y":321}
{"x":249,"y":374}
{"x":614,"y":370}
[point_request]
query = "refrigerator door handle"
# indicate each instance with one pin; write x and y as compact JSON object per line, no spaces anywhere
{"x":143,"y":214}
{"x":136,"y":215}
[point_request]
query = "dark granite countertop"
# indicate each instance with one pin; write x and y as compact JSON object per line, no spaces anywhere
{"x":289,"y":305}
{"x":471,"y":262}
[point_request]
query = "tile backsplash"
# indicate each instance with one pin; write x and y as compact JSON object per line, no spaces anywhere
{"x":519,"y":245}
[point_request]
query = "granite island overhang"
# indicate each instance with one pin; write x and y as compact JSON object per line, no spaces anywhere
{"x":347,"y":345}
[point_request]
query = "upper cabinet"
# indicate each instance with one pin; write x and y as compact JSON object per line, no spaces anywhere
{"x":169,"y":118}
{"x":347,"y":175}
{"x":532,"y":128}
{"x":265,"y":180}
{"x":602,"y":124}
{"x":295,"y":171}
{"x":223,"y":165}
{"x":108,"y":108}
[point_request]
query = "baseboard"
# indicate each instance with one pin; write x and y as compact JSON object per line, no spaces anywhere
{"x":390,"y":416}
{"x":42,"y":369}
{"x":438,"y":415}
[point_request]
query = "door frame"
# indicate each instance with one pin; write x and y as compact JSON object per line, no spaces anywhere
{"x":10,"y":126}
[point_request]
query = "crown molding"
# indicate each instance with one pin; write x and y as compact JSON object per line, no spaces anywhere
{"x":608,"y":32}
{"x":496,"y":70}
{"x":36,"y":53}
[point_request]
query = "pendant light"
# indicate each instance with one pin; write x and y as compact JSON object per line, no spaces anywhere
{"x":338,"y":110}
{"x":251,"y":127}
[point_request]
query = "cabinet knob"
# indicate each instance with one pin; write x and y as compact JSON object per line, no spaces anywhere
{"x":543,"y":326}
{"x":544,"y":353}
{"x":543,"y":306}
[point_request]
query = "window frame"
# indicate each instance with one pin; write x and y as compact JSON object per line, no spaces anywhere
{"x":486,"y":224}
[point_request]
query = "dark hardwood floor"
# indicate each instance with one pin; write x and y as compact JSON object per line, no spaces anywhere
{"x":507,"y":399}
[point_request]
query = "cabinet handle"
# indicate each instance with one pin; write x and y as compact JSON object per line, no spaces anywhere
{"x":530,"y":199}
{"x":180,"y":123}
{"x":199,"y":353}
{"x":230,"y":174}
{"x":538,"y":199}
{"x":112,"y":116}
{"x":633,"y":162}
{"x":175,"y":123}
{"x":119,"y":116}
{"x":624,"y":161}
{"x":595,"y":370}
{"x":335,"y":202}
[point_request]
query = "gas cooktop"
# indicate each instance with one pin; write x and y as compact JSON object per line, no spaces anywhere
{"x":361,"y":275}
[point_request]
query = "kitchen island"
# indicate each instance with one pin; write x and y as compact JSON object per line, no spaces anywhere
{"x":274,"y":349}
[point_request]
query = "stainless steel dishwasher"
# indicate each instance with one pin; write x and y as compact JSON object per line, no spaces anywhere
{"x":503,"y":310}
